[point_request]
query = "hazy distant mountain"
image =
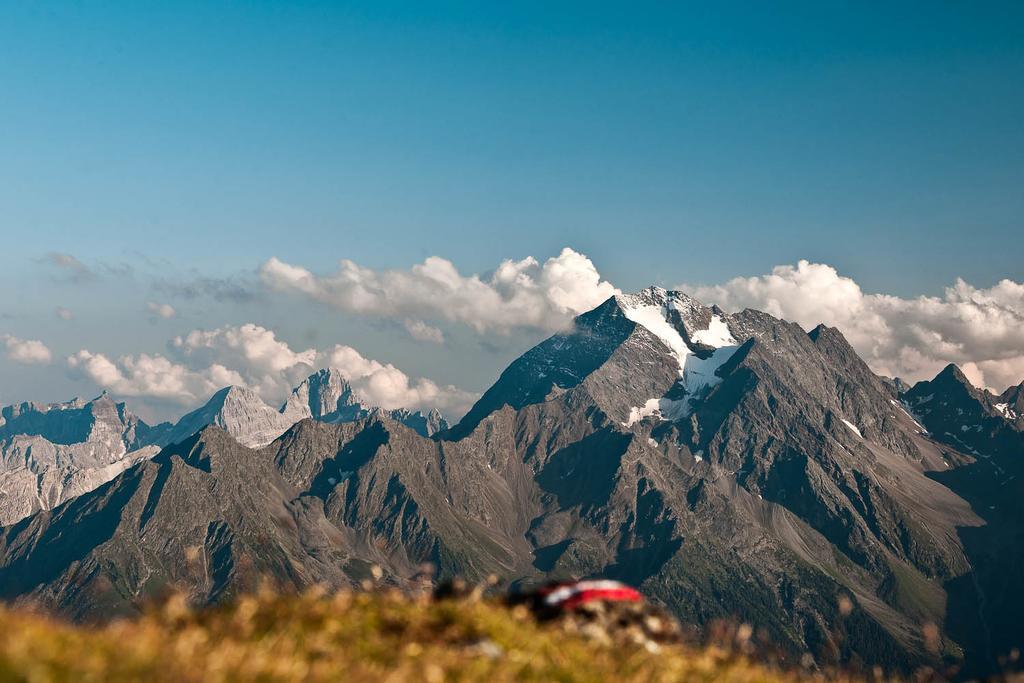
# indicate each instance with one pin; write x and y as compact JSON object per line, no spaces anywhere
{"x":328,"y":397}
{"x":729,"y":465}
{"x":238,"y":411}
{"x":51,"y":453}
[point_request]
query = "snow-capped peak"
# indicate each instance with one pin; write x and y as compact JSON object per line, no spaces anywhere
{"x":663,"y":314}
{"x":654,"y":317}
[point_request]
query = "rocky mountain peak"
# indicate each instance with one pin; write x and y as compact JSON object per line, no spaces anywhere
{"x":951,"y":384}
{"x":634,"y":355}
{"x":240,"y":412}
{"x":818,"y":331}
{"x":1013,"y":398}
{"x":970,"y":419}
{"x":899,"y":385}
{"x":674,"y":316}
{"x":50,"y":453}
{"x":324,"y":395}
{"x":234,"y":395}
{"x":327,"y":396}
{"x":71,"y":422}
{"x":649,"y":296}
{"x":952,"y":375}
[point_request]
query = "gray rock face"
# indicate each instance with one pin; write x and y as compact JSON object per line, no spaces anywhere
{"x":971,"y":419}
{"x":328,"y":397}
{"x":51,"y":453}
{"x":325,"y":396}
{"x":985,"y":604}
{"x":730,"y":465}
{"x":238,"y":411}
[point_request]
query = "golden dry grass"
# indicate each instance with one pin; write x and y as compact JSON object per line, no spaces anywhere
{"x":344,"y":637}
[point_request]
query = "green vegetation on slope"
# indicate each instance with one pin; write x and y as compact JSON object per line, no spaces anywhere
{"x":351,"y":637}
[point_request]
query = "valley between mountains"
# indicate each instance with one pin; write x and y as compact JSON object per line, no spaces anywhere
{"x":728,"y":465}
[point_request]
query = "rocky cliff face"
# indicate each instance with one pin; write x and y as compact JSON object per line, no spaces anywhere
{"x":51,"y":453}
{"x":730,"y":464}
{"x":238,"y":411}
{"x":985,"y":603}
{"x":328,"y":397}
{"x":100,"y":421}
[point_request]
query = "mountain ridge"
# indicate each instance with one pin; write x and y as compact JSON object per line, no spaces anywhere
{"x":50,"y":453}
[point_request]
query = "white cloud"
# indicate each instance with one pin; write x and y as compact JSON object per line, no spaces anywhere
{"x":980,"y":329}
{"x":153,"y":376}
{"x":267,"y":363}
{"x":253,"y":356}
{"x":420,"y":331}
{"x":385,"y":385}
{"x":26,"y":351}
{"x":63,"y":313}
{"x":996,"y":374}
{"x":518,"y":294}
{"x":165,"y":311}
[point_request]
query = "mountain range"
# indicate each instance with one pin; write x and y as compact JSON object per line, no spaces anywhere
{"x":52,"y":453}
{"x":729,"y":465}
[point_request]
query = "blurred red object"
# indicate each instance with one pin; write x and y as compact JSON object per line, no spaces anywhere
{"x":570,"y":595}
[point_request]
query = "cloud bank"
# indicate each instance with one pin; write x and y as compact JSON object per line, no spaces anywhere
{"x":385,"y":385}
{"x":982,"y":330}
{"x":518,"y":294}
{"x":152,"y":376}
{"x":203,"y":361}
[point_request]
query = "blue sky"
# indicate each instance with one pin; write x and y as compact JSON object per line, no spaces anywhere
{"x":669,"y":142}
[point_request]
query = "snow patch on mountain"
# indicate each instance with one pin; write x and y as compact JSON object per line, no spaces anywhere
{"x":653,"y":318}
{"x":1006,"y":411}
{"x":662,"y":408}
{"x":852,"y":427}
{"x":651,"y":310}
{"x":717,"y":335}
{"x":699,"y":373}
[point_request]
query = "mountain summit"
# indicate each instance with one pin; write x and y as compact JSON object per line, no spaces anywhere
{"x":238,"y":411}
{"x":328,"y":397}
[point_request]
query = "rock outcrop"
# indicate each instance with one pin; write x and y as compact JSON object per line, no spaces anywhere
{"x":52,"y":453}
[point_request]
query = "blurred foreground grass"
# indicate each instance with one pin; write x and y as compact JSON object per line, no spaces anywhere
{"x":346,"y":637}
